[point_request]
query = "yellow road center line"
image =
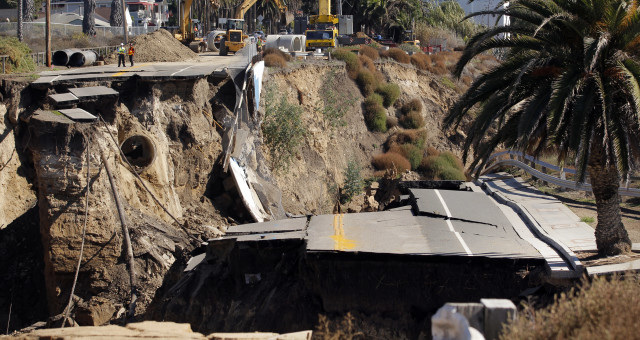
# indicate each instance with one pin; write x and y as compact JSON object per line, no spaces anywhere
{"x":128,"y":69}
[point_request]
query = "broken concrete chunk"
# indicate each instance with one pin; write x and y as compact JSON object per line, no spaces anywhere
{"x":497,"y":312}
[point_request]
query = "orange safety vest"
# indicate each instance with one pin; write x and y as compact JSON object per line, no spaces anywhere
{"x":131,"y":51}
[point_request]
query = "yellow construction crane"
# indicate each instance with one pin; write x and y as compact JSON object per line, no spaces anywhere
{"x":233,"y":40}
{"x":322,"y":30}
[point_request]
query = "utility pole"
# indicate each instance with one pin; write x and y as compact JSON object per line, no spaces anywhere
{"x":48,"y":35}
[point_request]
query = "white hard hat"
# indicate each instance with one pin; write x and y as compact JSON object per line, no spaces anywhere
{"x":121,"y":44}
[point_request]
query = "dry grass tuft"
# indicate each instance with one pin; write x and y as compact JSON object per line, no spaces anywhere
{"x":370,"y":52}
{"x":422,"y":61}
{"x":605,"y":308}
{"x":390,"y":160}
{"x":414,"y":104}
{"x":351,"y":59}
{"x":412,"y":120}
{"x":367,"y":63}
{"x":398,"y":55}
{"x":276,"y":51}
{"x":274,"y":60}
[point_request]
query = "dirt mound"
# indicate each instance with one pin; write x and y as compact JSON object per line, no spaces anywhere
{"x":159,"y":46}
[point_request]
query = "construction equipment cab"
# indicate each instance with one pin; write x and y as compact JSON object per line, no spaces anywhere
{"x":322,"y":30}
{"x":233,"y":40}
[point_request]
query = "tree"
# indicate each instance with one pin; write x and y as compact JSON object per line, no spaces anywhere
{"x":116,"y":19}
{"x":570,"y":80}
{"x":89,"y":21}
{"x":28,"y":9}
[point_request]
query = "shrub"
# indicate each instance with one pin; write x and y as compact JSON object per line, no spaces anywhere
{"x":375,"y":115}
{"x":415,"y":137}
{"x":466,"y":80}
{"x":444,"y":166}
{"x":412,"y":120}
{"x":413,"y":154}
{"x":448,"y":83}
{"x":451,"y":174}
{"x":351,"y":60}
{"x":19,"y":59}
{"x":370,"y":52}
{"x":414,"y":104}
{"x":452,"y":159}
{"x":410,"y":48}
{"x":282,"y":129}
{"x":399,"y":55}
{"x":274,"y":60}
{"x":367,"y":63}
{"x":390,"y":160}
{"x":373,"y":100}
{"x":605,"y":308}
{"x":353,"y":182}
{"x":367,"y":82}
{"x":431,"y":151}
{"x":421,"y":61}
{"x":276,"y":51}
{"x":389,"y":92}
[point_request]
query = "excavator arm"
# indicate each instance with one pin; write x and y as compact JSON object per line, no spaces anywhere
{"x":185,"y":21}
{"x":244,"y":7}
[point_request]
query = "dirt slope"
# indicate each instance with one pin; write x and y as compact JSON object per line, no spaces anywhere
{"x":309,"y":185}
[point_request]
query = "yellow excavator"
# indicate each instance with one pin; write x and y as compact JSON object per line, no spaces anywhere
{"x":322,"y":30}
{"x":186,"y":33}
{"x":233,"y":40}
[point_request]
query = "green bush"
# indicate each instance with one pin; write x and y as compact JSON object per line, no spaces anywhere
{"x":370,"y":52}
{"x":19,"y":60}
{"x":274,"y":60}
{"x":413,"y":154}
{"x":283,"y":129}
{"x":445,"y":166}
{"x":410,"y":48}
{"x":390,"y":160}
{"x":366,"y":81}
{"x":412,"y":120}
{"x":353,"y":182}
{"x":452,"y":159}
{"x":390,"y":92}
{"x":605,"y":308}
{"x":351,"y":60}
{"x":375,"y":114}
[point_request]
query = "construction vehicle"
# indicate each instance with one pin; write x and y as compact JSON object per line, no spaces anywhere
{"x":186,"y":33}
{"x":321,"y":30}
{"x":233,"y":39}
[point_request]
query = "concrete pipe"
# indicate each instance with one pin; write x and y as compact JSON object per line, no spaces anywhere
{"x":212,"y":45}
{"x":272,"y":41}
{"x":62,"y":57}
{"x":139,"y":151}
{"x":292,"y":43}
{"x":82,"y":58}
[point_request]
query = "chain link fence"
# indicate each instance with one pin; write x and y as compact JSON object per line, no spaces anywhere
{"x":33,"y":30}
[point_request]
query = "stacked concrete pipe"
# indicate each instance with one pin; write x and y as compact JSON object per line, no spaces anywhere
{"x":82,"y":58}
{"x":287,"y":43}
{"x":62,"y":57}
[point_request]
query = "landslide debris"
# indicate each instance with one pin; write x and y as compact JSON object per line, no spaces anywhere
{"x":159,"y":46}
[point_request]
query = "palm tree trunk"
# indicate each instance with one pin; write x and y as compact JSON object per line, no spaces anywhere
{"x":89,"y":21}
{"x":611,"y":236}
{"x":20,"y":15}
{"x":116,"y":19}
{"x":29,"y":7}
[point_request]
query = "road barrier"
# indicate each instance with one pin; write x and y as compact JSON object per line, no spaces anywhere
{"x":496,"y":160}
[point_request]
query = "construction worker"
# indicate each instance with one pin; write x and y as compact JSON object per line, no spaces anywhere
{"x":131,"y":52}
{"x":202,"y":46}
{"x":121,"y":55}
{"x":259,"y":44}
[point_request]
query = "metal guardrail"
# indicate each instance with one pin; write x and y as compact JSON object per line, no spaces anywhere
{"x":561,"y":182}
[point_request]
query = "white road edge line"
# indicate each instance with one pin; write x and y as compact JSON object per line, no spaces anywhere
{"x":172,"y":74}
{"x":446,"y":209}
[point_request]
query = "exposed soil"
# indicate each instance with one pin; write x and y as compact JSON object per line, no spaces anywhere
{"x":159,"y":46}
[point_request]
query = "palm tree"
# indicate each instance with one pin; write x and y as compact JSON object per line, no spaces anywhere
{"x":89,"y":21}
{"x":115,"y":18}
{"x":570,"y":80}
